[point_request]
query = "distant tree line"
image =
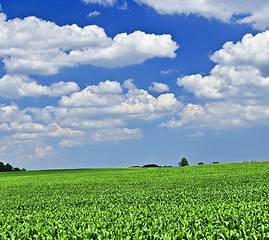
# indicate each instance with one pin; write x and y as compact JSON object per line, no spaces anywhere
{"x":184,"y":162}
{"x":8,"y":168}
{"x":150,"y":166}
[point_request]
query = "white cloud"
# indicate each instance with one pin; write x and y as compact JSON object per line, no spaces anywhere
{"x":102,"y":2}
{"x":35,"y":46}
{"x":17,"y":151}
{"x":128,"y":49}
{"x":105,"y":94}
{"x":93,"y":14}
{"x":129,"y":84}
{"x":95,"y":114}
{"x":220,"y":115}
{"x":136,"y":103}
{"x":37,"y":131}
{"x":169,"y":71}
{"x":10,"y":112}
{"x":158,"y":87}
{"x":252,"y":12}
{"x":241,"y":71}
{"x":116,"y":134}
{"x":16,"y":86}
{"x":239,"y":84}
{"x":98,"y":113}
{"x":92,"y":123}
{"x":43,"y":152}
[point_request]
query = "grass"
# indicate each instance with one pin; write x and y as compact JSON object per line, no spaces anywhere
{"x":220,"y":201}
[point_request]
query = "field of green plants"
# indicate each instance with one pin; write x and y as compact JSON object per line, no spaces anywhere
{"x":216,"y":201}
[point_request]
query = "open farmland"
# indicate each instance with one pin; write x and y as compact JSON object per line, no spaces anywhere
{"x":220,"y":201}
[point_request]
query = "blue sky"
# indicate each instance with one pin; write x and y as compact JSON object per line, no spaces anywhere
{"x":115,"y":83}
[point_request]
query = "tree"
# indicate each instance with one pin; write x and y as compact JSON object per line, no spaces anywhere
{"x":184,"y":162}
{"x":2,"y":167}
{"x":151,"y":165}
{"x":8,"y":168}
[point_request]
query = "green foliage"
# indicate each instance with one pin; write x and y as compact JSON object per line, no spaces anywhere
{"x":8,"y":168}
{"x":2,"y":167}
{"x":184,"y":162}
{"x":222,"y":201}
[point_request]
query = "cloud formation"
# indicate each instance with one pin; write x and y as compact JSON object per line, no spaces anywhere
{"x":251,"y":12}
{"x":106,"y":99}
{"x":238,"y":84}
{"x":35,"y":46}
{"x":98,"y":113}
{"x":220,"y":115}
{"x":93,"y":14}
{"x":159,"y":87}
{"x":241,"y":71}
{"x":16,"y":86}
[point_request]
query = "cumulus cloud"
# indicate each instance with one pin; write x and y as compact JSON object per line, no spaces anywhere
{"x":24,"y":152}
{"x":220,"y":115}
{"x":43,"y":152}
{"x":104,"y":94}
{"x":159,"y":87}
{"x":243,"y":11}
{"x":90,"y":109}
{"x":129,"y":84}
{"x":98,"y":113}
{"x":238,"y":88}
{"x":37,"y":131}
{"x":93,"y":14}
{"x":35,"y":46}
{"x":136,"y":103}
{"x":10,"y":112}
{"x":95,"y":114}
{"x":16,"y":86}
{"x":241,"y":71}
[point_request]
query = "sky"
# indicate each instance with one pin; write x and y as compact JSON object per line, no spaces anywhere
{"x":116,"y":83}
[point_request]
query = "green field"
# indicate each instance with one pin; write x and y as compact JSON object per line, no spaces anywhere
{"x":217,"y":201}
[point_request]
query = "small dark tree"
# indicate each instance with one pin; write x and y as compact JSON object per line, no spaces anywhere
{"x":184,"y":162}
{"x":16,"y":169}
{"x":2,"y":167}
{"x":151,"y":165}
{"x":8,"y":167}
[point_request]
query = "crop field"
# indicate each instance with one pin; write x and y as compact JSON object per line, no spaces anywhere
{"x":216,"y":201}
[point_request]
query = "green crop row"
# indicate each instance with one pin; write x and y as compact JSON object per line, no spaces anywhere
{"x":225,"y":201}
